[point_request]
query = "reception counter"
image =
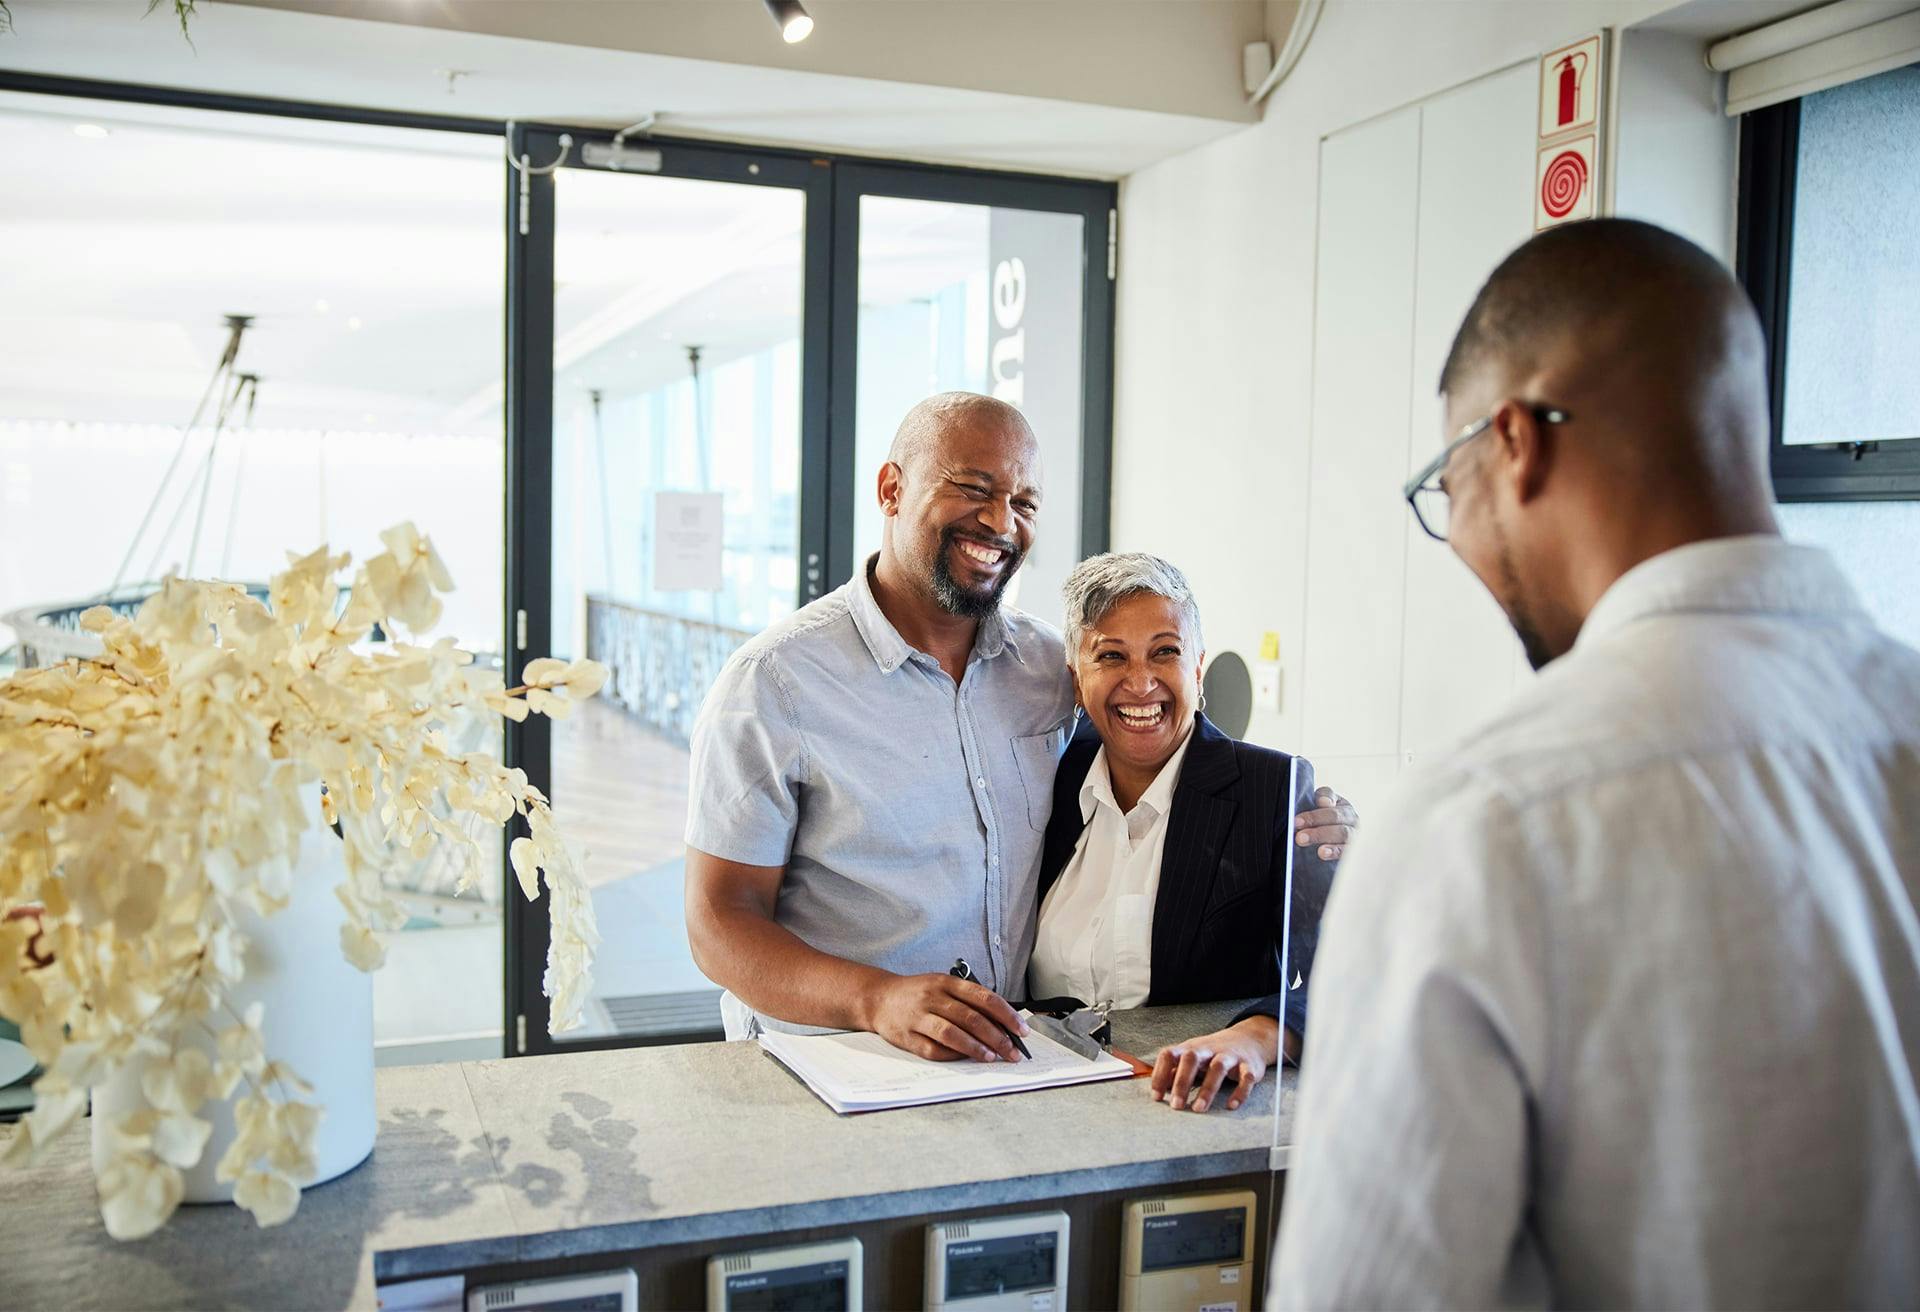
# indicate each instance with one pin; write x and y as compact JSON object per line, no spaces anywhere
{"x":653,"y":1158}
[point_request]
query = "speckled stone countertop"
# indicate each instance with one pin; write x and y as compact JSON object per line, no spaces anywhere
{"x":540,"y":1157}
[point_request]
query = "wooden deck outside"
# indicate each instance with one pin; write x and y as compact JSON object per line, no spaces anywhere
{"x":619,"y":792}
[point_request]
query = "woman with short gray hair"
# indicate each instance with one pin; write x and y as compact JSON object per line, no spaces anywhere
{"x":1163,"y":874}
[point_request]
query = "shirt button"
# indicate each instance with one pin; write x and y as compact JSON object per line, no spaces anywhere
{"x":996,"y":940}
{"x":979,"y":781}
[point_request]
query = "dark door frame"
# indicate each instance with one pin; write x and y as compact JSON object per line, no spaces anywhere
{"x":1094,"y":202}
{"x":1883,"y":470}
{"x":529,"y":484}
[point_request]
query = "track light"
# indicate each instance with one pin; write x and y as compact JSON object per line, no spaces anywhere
{"x":795,"y":25}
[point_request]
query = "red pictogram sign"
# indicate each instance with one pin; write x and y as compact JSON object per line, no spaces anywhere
{"x":1570,"y":79}
{"x":1564,"y":182}
{"x":1560,"y":188}
{"x":1571,"y":68}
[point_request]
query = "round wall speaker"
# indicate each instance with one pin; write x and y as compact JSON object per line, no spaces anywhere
{"x":1229,"y":694}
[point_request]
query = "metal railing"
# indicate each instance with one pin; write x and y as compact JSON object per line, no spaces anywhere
{"x":50,"y":633}
{"x":662,"y":664}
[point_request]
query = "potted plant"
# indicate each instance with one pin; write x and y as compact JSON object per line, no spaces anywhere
{"x":164,"y":805}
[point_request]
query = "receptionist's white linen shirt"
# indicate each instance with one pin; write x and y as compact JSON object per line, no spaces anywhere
{"x":1095,"y":941}
{"x":1618,"y":1005}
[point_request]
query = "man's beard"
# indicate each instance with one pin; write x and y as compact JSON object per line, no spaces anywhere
{"x":956,"y":599}
{"x":1518,"y":615}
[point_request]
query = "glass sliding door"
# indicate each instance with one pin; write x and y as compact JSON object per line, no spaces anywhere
{"x":709,"y":348}
{"x":677,"y":391}
{"x":981,"y":284}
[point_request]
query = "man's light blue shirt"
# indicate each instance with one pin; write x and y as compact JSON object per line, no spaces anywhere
{"x":908,"y":812}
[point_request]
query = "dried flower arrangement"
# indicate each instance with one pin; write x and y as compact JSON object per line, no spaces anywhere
{"x":150,"y":794}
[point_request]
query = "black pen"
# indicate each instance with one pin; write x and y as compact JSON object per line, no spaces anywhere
{"x":961,"y":970}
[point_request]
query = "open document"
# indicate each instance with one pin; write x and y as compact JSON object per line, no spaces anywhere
{"x":865,"y":1073}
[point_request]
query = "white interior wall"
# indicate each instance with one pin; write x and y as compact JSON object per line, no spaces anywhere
{"x":1672,"y":132}
{"x":1272,"y":477}
{"x":1404,"y":651}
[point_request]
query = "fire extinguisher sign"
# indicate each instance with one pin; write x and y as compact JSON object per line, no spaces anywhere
{"x":1570,"y":88}
{"x":1567,"y":175}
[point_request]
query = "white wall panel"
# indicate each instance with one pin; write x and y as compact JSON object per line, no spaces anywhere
{"x":1365,"y":781}
{"x":1475,"y":205}
{"x":1363,"y":326}
{"x":1240,"y":450}
{"x":1674,"y":153}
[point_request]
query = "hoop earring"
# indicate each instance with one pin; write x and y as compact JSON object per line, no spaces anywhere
{"x":1078,"y":710}
{"x":1203,"y":701}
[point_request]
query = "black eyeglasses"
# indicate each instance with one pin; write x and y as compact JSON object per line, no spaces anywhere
{"x":1426,"y":491}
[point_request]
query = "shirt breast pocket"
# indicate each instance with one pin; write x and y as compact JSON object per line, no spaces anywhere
{"x":1037,"y":757}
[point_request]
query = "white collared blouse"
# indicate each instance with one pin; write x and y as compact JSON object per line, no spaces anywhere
{"x":1095,"y":939}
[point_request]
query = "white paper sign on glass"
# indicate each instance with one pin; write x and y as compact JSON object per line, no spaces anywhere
{"x":689,"y":533}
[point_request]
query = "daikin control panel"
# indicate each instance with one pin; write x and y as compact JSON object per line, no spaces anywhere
{"x":822,"y":1277}
{"x":1001,"y":1264}
{"x":603,"y":1291}
{"x":1191,"y":1253}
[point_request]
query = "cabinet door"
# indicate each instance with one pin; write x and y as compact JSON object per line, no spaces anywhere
{"x":1475,"y":205}
{"x":1357,"y":524}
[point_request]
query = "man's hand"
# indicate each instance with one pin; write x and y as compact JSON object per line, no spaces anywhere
{"x":1189,"y":1076}
{"x":943,"y":1018}
{"x":1331,"y":825}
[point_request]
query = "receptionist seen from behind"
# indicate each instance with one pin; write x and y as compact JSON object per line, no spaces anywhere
{"x":872,"y":776}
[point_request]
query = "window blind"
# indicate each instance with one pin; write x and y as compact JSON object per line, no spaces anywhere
{"x":1811,"y":52}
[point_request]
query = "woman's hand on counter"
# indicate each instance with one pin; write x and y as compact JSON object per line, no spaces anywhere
{"x":943,"y":1018}
{"x":1191,"y":1076}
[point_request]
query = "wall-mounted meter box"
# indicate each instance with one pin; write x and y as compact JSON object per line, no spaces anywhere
{"x":1000,"y":1264}
{"x":822,"y":1277}
{"x":602,"y":1291}
{"x":1191,"y":1253}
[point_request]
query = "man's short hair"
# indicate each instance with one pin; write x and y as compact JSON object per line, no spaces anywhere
{"x":1571,"y":277}
{"x":920,"y":429}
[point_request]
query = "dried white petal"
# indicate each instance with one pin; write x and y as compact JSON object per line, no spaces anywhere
{"x":179,"y":1140}
{"x":270,"y":1197}
{"x":137,"y":1194}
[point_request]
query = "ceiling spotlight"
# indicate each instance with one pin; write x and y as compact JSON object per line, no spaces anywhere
{"x":94,"y":132}
{"x":794,"y":24}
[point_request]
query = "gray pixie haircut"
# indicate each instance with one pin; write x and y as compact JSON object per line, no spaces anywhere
{"x":1099,"y":583}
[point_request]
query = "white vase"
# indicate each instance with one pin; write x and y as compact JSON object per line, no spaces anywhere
{"x":319,"y":1021}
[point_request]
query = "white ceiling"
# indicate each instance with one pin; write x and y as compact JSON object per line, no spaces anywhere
{"x":239,"y":49}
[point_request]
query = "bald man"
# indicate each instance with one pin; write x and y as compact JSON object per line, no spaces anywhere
{"x":872,"y":777}
{"x":1619,"y":1006}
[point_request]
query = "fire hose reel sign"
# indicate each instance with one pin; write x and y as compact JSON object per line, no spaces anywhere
{"x":1567,"y":173}
{"x":1563,"y":192}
